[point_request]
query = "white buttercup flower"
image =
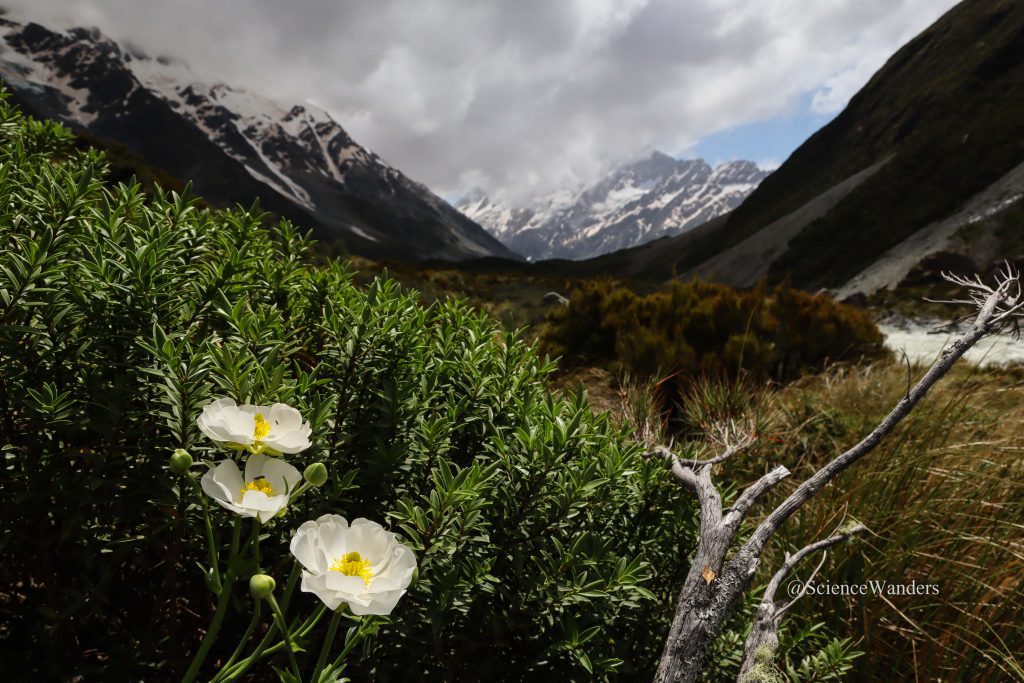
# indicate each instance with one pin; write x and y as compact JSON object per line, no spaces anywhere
{"x":272,"y":429}
{"x":261,"y":493}
{"x":362,"y":564}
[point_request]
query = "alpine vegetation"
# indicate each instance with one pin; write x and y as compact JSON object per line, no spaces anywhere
{"x":167,"y":372}
{"x":725,"y":564}
{"x":224,"y":461}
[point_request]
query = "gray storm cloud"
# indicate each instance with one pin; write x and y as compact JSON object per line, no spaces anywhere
{"x":521,"y":96}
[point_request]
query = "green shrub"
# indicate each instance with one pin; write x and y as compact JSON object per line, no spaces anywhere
{"x":547,"y":546}
{"x":697,"y":327}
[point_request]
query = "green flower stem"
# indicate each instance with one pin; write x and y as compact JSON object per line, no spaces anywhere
{"x":283,"y":625}
{"x":298,"y":491}
{"x":210,"y":541}
{"x":241,"y":644}
{"x":261,"y":649}
{"x":364,"y":630}
{"x":230,"y":669}
{"x":211,"y":635}
{"x":299,"y":632}
{"x":256,"y":542}
{"x":243,"y":666}
{"x":222,"y":603}
{"x":236,"y":537}
{"x":293,"y":580}
{"x":311,"y":622}
{"x":325,"y":648}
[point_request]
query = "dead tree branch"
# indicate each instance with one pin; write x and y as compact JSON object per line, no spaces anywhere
{"x":765,"y":629}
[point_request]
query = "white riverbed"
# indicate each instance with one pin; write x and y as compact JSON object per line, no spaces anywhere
{"x":923,"y":341}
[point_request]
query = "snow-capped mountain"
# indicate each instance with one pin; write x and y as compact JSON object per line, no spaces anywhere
{"x":235,"y":146}
{"x":650,"y":198}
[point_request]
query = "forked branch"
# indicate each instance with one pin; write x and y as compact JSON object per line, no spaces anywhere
{"x":764,"y":632}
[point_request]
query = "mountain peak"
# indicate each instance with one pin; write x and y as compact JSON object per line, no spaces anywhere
{"x":659,"y":156}
{"x":650,"y":197}
{"x":735,"y":166}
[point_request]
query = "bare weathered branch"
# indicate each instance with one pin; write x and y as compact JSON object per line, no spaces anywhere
{"x":683,"y":474}
{"x":746,"y":500}
{"x":730,"y":435}
{"x":793,"y":560}
{"x":764,"y":633}
{"x":1006,"y":293}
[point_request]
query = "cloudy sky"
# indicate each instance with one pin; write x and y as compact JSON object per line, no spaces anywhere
{"x":522,"y":97}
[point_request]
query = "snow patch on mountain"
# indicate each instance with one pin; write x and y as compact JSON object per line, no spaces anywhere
{"x":653,"y":197}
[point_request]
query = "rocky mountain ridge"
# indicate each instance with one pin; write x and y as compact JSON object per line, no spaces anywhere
{"x":234,"y":145}
{"x":655,"y":196}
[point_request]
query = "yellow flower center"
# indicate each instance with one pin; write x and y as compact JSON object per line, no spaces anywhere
{"x":261,"y":429}
{"x":353,"y":564}
{"x":258,"y":484}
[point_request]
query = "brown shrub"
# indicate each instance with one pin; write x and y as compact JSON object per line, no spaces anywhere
{"x":701,"y":328}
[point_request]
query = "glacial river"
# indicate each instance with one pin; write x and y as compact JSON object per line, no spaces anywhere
{"x":923,"y":343}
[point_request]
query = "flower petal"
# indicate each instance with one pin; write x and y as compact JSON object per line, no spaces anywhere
{"x":237,"y":509}
{"x":250,"y":409}
{"x":304,"y":547}
{"x":337,"y":519}
{"x":351,"y":586}
{"x":372,"y":542}
{"x":211,"y":421}
{"x":283,"y":418}
{"x":257,"y":500}
{"x":282,"y":477}
{"x":396,"y":573}
{"x":242,"y":426}
{"x":223,"y":482}
{"x":315,"y":584}
{"x":333,"y":538}
{"x":289,"y":443}
{"x":382,"y":603}
{"x":318,"y":544}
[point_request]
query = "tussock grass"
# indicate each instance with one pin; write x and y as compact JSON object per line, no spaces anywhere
{"x":944,"y":500}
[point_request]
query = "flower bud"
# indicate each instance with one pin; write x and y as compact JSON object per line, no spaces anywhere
{"x":181,"y":461}
{"x":316,"y":474}
{"x":261,"y":586}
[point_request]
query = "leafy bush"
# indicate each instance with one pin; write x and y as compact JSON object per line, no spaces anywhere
{"x":699,"y":327}
{"x":547,"y":546}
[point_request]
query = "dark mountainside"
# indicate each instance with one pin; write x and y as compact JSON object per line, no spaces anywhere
{"x":946,"y":108}
{"x":930,"y":149}
{"x":233,"y":146}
